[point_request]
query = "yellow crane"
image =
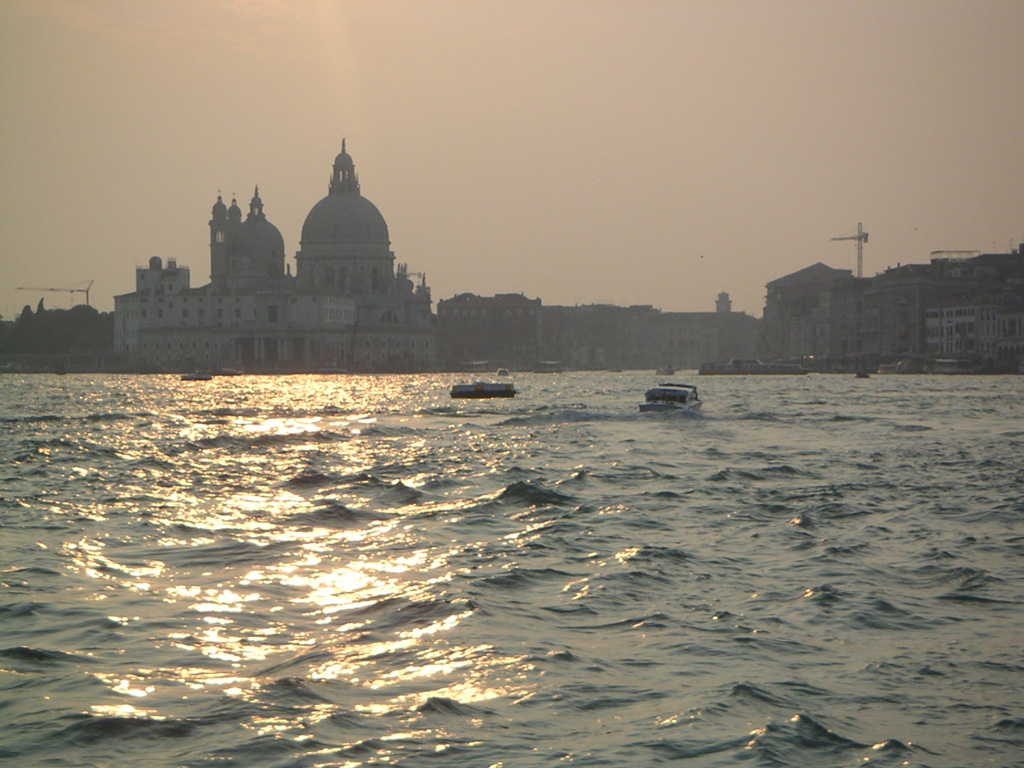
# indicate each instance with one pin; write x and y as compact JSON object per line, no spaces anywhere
{"x":861,"y":237}
{"x":71,"y":289}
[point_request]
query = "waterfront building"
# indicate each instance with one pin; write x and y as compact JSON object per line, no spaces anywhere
{"x":348,"y":306}
{"x":637,"y":337}
{"x":987,"y":330}
{"x":812,"y":313}
{"x":960,"y":304}
{"x":488,"y":332}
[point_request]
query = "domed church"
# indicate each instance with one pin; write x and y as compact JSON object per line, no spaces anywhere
{"x":348,"y":306}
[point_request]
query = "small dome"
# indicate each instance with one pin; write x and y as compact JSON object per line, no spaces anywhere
{"x":259,"y":241}
{"x":155,"y":262}
{"x":344,"y":159}
{"x":219,"y":209}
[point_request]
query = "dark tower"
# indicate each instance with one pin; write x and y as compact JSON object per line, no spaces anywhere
{"x":218,"y":242}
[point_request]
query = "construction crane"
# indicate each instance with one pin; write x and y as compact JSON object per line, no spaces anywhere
{"x":71,"y":289}
{"x":861,"y":237}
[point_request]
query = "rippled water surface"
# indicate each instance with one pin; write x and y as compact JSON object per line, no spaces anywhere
{"x":352,"y":571}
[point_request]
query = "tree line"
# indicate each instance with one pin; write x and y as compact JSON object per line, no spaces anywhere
{"x":58,"y":331}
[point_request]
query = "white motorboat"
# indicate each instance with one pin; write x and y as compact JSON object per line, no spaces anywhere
{"x":671,"y":397}
{"x":483,"y":389}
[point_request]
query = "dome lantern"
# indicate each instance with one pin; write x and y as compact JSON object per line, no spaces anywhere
{"x":256,"y":205}
{"x":344,"y":178}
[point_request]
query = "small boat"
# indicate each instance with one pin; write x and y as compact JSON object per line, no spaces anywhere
{"x":196,"y":376}
{"x":502,"y":372}
{"x":671,"y":397}
{"x":483,"y":389}
{"x":548,"y":366}
{"x":668,"y":370}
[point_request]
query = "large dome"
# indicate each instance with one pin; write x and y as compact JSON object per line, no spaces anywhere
{"x":344,"y":217}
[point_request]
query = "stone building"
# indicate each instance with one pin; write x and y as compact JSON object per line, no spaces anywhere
{"x":605,"y":336}
{"x":511,"y":331}
{"x":347,"y":306}
{"x":986,"y":330}
{"x":812,"y":312}
{"x":488,"y":331}
{"x":959,"y":304}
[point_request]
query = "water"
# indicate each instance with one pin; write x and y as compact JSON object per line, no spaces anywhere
{"x":353,"y":571}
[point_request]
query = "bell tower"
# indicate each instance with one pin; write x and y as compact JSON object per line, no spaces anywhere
{"x":218,"y":242}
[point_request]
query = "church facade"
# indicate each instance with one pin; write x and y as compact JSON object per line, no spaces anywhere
{"x":348,"y":306}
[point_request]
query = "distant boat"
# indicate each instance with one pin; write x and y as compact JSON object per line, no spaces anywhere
{"x":954,"y":365}
{"x":196,"y":376}
{"x":548,"y":366}
{"x":481,"y":389}
{"x":747,"y":367}
{"x":671,"y":397}
{"x":502,"y":372}
{"x":906,"y":365}
{"x":668,"y":370}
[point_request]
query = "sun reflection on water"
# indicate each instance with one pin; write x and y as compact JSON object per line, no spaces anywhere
{"x":269,"y":579}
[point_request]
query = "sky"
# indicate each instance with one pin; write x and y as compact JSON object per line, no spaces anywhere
{"x":578,"y":151}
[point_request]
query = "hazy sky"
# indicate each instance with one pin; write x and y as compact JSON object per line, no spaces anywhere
{"x":580,"y":151}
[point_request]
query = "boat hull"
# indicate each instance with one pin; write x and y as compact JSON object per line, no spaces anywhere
{"x":663,"y":407}
{"x":482,"y":390}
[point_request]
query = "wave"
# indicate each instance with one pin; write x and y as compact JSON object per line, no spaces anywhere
{"x":393,"y":491}
{"x":440,"y":705}
{"x":309,"y":478}
{"x":334,"y":514}
{"x":244,"y":444}
{"x":764,"y":473}
{"x":42,"y":418}
{"x":532,"y":494}
{"x":90,"y":729}
{"x":42,"y":656}
{"x":559,"y":416}
{"x":517,"y":578}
